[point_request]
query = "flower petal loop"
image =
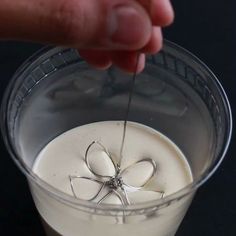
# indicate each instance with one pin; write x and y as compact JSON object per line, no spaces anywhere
{"x":111,"y":184}
{"x":139,"y":174}
{"x":99,"y":161}
{"x":85,"y":188}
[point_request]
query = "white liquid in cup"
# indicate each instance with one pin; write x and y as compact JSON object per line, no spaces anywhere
{"x":64,"y":156}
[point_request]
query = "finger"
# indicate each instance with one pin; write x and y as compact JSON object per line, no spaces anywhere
{"x":155,"y":43}
{"x":160,"y":11}
{"x":127,"y":61}
{"x":116,"y":24}
{"x":97,"y":58}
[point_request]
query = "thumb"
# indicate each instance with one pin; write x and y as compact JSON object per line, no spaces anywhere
{"x":106,"y":24}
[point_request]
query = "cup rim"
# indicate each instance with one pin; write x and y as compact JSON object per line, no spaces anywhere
{"x":67,"y":199}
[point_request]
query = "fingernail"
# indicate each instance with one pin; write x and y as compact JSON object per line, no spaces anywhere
{"x":128,"y":27}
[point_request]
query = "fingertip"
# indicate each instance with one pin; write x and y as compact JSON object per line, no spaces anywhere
{"x":162,"y":13}
{"x":156,"y":42}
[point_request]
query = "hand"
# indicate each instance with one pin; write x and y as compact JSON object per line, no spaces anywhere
{"x":104,"y":31}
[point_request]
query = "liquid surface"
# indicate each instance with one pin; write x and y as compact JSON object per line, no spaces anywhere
{"x":65,"y":156}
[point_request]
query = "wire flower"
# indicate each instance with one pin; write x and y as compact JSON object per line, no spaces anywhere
{"x":111,"y":181}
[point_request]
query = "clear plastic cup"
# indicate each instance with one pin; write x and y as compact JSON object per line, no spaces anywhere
{"x":55,"y":90}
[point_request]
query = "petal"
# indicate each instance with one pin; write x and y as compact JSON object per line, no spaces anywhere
{"x":111,"y":198}
{"x":85,"y":188}
{"x":139,"y":173}
{"x":143,"y":196}
{"x":99,"y":160}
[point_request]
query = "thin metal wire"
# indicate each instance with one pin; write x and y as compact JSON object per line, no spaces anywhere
{"x":104,"y":197}
{"x":126,"y":196}
{"x":123,"y":203}
{"x":128,"y":108}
